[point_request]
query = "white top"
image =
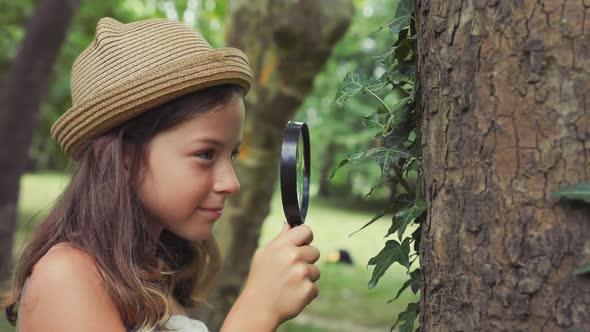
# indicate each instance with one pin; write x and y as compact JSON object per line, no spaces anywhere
{"x":179,"y":323}
{"x":183,"y":323}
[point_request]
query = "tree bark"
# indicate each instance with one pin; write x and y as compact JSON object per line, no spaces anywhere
{"x":23,"y":90}
{"x":287,"y":43}
{"x":505,"y":97}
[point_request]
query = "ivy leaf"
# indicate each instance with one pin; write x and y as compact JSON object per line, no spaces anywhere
{"x":407,"y":318}
{"x":342,"y":163}
{"x":354,"y":84}
{"x":583,"y":270}
{"x":379,"y":184}
{"x":376,"y":119}
{"x":400,"y":105}
{"x":391,"y":253}
{"x":397,"y":24}
{"x":412,"y":165}
{"x":385,"y":158}
{"x":414,"y":282}
{"x":403,"y":15}
{"x":407,"y":68}
{"x":580,"y":191}
{"x":403,"y":218}
{"x":375,"y":218}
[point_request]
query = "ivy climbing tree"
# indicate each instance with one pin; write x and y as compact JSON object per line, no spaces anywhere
{"x":485,"y":103}
{"x":397,"y":151}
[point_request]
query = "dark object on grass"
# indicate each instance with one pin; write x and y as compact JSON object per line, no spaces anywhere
{"x":341,"y":256}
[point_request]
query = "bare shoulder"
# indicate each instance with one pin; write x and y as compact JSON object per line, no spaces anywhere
{"x":65,"y":293}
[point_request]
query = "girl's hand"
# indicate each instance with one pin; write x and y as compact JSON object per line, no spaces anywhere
{"x":282,"y":275}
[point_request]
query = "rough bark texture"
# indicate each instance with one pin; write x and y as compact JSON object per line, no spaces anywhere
{"x":287,"y":43}
{"x":506,"y":121}
{"x":22,"y":93}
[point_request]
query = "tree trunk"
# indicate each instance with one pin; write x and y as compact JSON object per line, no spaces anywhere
{"x":287,"y":43}
{"x":504,"y":97}
{"x":22,"y":92}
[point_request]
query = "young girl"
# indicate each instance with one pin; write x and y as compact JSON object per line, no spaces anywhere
{"x":155,"y":125}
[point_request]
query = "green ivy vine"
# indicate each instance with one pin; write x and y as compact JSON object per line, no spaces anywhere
{"x":397,"y":151}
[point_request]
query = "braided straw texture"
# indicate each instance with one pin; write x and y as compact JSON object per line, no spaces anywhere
{"x":131,"y":68}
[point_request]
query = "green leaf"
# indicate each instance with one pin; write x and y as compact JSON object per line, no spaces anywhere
{"x":397,"y":24}
{"x":385,"y":158}
{"x":403,"y":16}
{"x":382,"y":180}
{"x":376,"y":119}
{"x":414,"y":282}
{"x":375,"y":218}
{"x":403,"y":218}
{"x":406,"y":284}
{"x":354,"y":84}
{"x":580,"y":191}
{"x":407,"y":317}
{"x":342,"y":163}
{"x":391,"y":253}
{"x":583,"y":270}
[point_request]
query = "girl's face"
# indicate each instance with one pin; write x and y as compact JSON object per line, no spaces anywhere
{"x":190,"y":171}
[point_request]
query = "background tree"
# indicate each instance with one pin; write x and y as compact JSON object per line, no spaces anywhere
{"x":505,"y":93}
{"x":287,"y":44}
{"x":22,"y":92}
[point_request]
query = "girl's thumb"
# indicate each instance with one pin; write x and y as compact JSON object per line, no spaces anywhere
{"x":286,"y":228}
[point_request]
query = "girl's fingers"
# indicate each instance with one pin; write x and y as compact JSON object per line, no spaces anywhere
{"x":300,"y":235}
{"x":310,"y":254}
{"x":312,"y":291}
{"x":314,"y":273}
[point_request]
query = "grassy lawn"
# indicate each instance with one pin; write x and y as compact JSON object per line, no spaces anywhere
{"x":344,"y":304}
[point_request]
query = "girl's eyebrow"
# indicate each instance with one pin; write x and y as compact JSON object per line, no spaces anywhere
{"x":214,"y":141}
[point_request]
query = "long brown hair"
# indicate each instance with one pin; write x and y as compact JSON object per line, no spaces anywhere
{"x":100,"y":213}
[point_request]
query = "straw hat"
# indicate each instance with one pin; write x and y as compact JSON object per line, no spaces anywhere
{"x":131,"y":68}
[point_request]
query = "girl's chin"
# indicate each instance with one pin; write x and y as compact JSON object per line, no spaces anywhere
{"x":201,"y":235}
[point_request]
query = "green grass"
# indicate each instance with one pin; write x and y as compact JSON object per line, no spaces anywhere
{"x":344,"y":298}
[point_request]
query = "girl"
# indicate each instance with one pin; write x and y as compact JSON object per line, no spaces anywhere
{"x":155,"y":125}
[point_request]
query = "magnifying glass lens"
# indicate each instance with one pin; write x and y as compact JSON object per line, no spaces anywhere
{"x":295,"y":167}
{"x":300,"y":172}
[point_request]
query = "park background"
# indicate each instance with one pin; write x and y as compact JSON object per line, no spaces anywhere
{"x":466,"y":120}
{"x":338,"y":206}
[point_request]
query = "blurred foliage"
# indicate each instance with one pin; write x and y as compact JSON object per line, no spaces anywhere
{"x":205,"y":16}
{"x":337,"y":130}
{"x":334,"y":131}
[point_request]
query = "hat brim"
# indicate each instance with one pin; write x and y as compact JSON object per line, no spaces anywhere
{"x":100,"y":112}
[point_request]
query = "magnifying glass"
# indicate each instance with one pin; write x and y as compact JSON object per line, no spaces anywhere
{"x":295,"y":171}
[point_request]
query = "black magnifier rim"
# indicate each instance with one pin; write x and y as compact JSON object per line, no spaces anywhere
{"x":294,"y":213}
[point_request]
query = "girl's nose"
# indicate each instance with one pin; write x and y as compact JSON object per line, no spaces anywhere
{"x":226,"y":180}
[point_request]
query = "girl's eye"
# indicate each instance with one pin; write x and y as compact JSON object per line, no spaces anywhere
{"x":209,"y":155}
